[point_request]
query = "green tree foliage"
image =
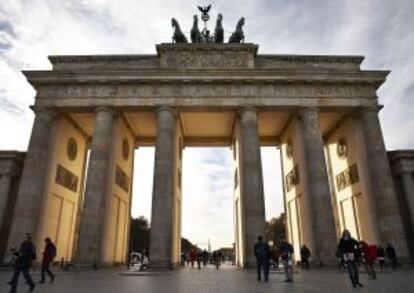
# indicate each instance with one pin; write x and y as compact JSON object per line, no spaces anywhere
{"x":140,"y":236}
{"x":139,"y":239}
{"x":276,"y":230}
{"x":186,"y":245}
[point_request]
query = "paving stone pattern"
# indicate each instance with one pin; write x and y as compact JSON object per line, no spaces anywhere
{"x":209,"y":280}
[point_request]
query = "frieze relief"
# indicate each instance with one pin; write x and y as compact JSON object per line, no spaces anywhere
{"x":292,"y":178}
{"x":205,"y":60}
{"x":347,"y":177}
{"x":66,"y":178}
{"x":196,"y":90}
{"x":122,"y":179}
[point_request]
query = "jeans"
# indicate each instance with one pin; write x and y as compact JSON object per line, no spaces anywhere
{"x":353,"y":272}
{"x":263,"y":264}
{"x":370,"y":270}
{"x":288,"y":267}
{"x":45,"y":269}
{"x":15,"y":278}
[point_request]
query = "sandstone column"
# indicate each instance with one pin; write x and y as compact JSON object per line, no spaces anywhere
{"x":161,"y":238}
{"x":5,"y":183}
{"x":30,"y":194}
{"x":318,"y":184}
{"x":408,"y":184}
{"x":97,"y":185}
{"x":251,"y":179}
{"x":390,"y":222}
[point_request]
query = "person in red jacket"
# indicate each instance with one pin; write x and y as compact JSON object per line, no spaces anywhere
{"x":369,"y":255}
{"x":48,"y":255}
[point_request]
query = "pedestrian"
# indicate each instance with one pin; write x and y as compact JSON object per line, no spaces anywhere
{"x":369,"y":255}
{"x":348,"y":249}
{"x":304,"y":257}
{"x":392,"y":255}
{"x":24,"y":258}
{"x":381,"y":256}
{"x":193,"y":256}
{"x":262,"y":253}
{"x":286,"y":254}
{"x":48,"y":255}
{"x":199,"y":258}
{"x":205,"y":257}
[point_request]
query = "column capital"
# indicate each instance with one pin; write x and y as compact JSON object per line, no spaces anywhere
{"x":166,"y":108}
{"x":304,"y":110}
{"x":45,"y":112}
{"x":110,"y":110}
{"x":246,"y":112}
{"x":248,"y":109}
{"x":367,"y":109}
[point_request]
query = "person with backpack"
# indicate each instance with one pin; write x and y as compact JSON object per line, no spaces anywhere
{"x":24,"y":259}
{"x":48,"y":255}
{"x":286,"y":254}
{"x":262,"y":254}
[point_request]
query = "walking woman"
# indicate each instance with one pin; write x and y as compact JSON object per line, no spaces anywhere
{"x":48,"y":255}
{"x":348,"y":249}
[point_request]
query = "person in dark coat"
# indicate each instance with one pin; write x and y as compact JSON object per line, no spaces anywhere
{"x":24,"y":258}
{"x":304,"y":257}
{"x":48,"y":255}
{"x":262,"y":253}
{"x":348,"y":249}
{"x":392,"y":255}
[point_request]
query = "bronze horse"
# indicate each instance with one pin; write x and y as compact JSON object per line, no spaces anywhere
{"x":195,"y":33}
{"x":238,"y":35}
{"x":178,"y":36}
{"x":219,"y":31}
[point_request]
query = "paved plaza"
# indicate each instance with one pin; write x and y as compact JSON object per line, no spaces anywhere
{"x":226,"y":280}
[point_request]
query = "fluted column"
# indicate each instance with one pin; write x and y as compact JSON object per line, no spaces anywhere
{"x":251,"y":179}
{"x":96,"y":190}
{"x":318,"y":185}
{"x":408,"y":184}
{"x":381,"y":181}
{"x":29,"y":197}
{"x":161,"y":238}
{"x":5,"y":183}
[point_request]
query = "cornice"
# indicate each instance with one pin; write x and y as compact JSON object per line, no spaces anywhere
{"x":74,"y":59}
{"x":197,"y":76}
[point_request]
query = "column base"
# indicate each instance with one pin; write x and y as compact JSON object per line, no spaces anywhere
{"x":160,"y":265}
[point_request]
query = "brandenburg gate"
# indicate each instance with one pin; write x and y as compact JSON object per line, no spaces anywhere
{"x":321,"y":111}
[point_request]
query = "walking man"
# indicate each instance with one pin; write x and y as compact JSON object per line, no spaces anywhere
{"x":48,"y":255}
{"x":262,"y":254}
{"x":286,"y":253}
{"x":304,"y":257}
{"x":348,"y":249}
{"x":24,"y":259}
{"x":392,"y":255}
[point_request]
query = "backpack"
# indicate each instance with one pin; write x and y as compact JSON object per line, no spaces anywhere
{"x":261,"y":251}
{"x":53,"y":251}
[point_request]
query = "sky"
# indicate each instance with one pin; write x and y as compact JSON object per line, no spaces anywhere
{"x":381,"y":30}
